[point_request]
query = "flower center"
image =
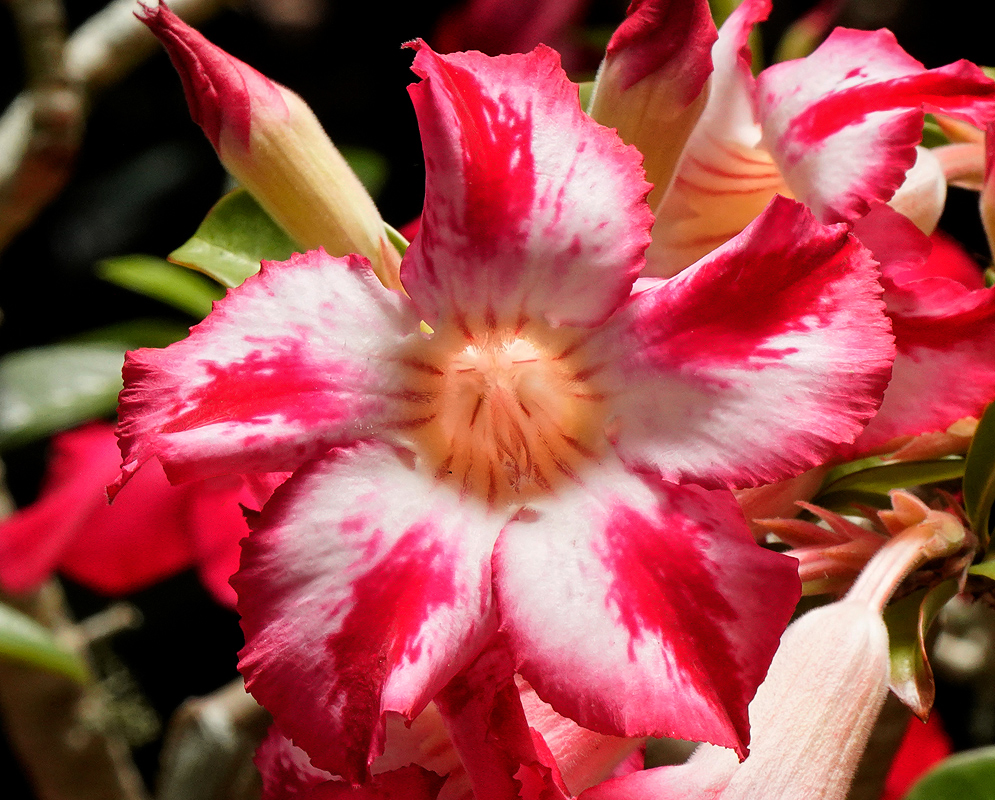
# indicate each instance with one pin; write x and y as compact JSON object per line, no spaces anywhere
{"x":504,"y":415}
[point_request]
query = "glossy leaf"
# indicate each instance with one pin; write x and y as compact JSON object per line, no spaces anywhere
{"x":231,"y":241}
{"x":160,"y":280}
{"x":24,"y":640}
{"x":979,"y":476}
{"x":908,"y":621}
{"x":969,"y":774}
{"x":47,"y":389}
{"x":879,"y":478}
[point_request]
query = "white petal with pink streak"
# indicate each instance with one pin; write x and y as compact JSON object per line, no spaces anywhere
{"x":298,"y":358}
{"x":756,"y":363}
{"x":365,"y":587}
{"x":639,"y":607}
{"x":843,"y":124}
{"x":532,"y":210}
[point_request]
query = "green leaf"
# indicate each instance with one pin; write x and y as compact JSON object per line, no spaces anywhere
{"x":234,"y":237}
{"x":586,"y":91}
{"x":879,"y":478}
{"x":979,"y":476}
{"x":908,"y":621}
{"x":932,"y":133}
{"x":160,"y":280}
{"x":22,"y":639}
{"x":986,"y":568}
{"x":370,"y":166}
{"x":134,"y":333}
{"x":968,"y":775}
{"x":47,"y":389}
{"x":395,"y":238}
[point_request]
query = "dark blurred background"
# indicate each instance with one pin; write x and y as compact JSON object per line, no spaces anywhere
{"x":146,"y":176}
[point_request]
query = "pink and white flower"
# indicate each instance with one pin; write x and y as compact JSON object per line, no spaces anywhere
{"x":837,"y":130}
{"x":550,"y":467}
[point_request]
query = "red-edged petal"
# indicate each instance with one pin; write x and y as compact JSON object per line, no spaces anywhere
{"x":71,"y":528}
{"x":295,"y":360}
{"x":637,"y":607}
{"x":843,"y":124}
{"x":944,"y":334}
{"x":724,"y":179}
{"x":531,"y":208}
{"x":504,"y":758}
{"x":652,"y":85}
{"x":364,"y":589}
{"x":407,"y":783}
{"x":756,"y":363}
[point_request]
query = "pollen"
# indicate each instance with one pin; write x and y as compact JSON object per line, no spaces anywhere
{"x":504,"y":415}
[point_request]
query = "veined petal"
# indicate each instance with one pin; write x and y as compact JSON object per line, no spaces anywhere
{"x":364,"y":589}
{"x":297,"y":359}
{"x":724,"y":179}
{"x":637,"y":607}
{"x":756,"y":363}
{"x":843,"y":124}
{"x":944,"y":334}
{"x":532,"y":210}
{"x":653,"y":83}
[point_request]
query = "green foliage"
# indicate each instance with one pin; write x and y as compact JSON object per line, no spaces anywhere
{"x":160,"y":280}
{"x":979,"y":476}
{"x":869,"y":480}
{"x":370,"y":167}
{"x":908,"y":621}
{"x":24,"y":640}
{"x":231,"y":241}
{"x":969,"y":775}
{"x":47,"y":389}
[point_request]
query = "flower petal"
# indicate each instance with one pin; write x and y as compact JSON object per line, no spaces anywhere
{"x":756,"y":363}
{"x":504,"y":758}
{"x":364,"y":589}
{"x":944,"y":333}
{"x":297,"y":359}
{"x":637,"y":607}
{"x":531,"y":208}
{"x":843,"y":124}
{"x":724,"y":180}
{"x":652,"y":85}
{"x":71,"y":528}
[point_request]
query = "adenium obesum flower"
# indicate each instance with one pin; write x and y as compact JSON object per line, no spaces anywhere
{"x":153,"y":531}
{"x":838,"y":130}
{"x":813,"y":715}
{"x":549,"y":466}
{"x":272,"y":143}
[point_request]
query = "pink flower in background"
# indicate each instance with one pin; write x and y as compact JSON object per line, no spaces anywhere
{"x":152,"y":531}
{"x":550,"y":464}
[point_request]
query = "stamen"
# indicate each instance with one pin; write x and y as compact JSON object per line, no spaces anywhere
{"x":515,"y":410}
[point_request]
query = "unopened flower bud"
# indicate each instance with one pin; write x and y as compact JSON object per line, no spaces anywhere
{"x":813,"y":715}
{"x":272,"y":143}
{"x":653,"y":83}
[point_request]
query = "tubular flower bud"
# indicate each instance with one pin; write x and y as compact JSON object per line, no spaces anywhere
{"x":653,"y":83}
{"x":271,"y":142}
